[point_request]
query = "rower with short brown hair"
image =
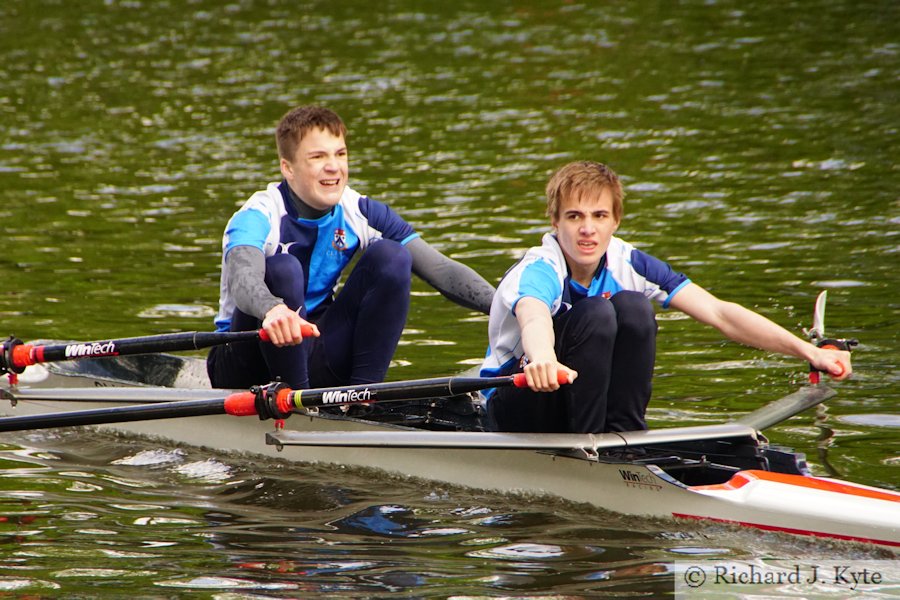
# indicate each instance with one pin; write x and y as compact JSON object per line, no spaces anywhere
{"x":286,"y":248}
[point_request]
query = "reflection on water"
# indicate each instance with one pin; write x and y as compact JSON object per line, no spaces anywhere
{"x":757,"y":142}
{"x":148,"y":516}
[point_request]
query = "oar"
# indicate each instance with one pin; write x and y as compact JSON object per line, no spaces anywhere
{"x":110,"y":395}
{"x":272,"y":401}
{"x":118,"y":414}
{"x":15,"y":355}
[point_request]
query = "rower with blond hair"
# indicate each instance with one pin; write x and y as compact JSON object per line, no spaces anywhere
{"x":581,"y":302}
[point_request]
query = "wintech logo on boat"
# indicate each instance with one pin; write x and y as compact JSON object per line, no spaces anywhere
{"x":639,"y":480}
{"x":92,"y":349}
{"x":347,"y":396}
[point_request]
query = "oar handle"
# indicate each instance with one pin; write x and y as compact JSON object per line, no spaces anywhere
{"x":519,"y":380}
{"x":15,"y":355}
{"x":831,"y":344}
{"x":305,"y":331}
{"x":241,"y":404}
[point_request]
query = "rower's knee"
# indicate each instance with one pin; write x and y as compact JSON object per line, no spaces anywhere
{"x":593,"y":317}
{"x":634,"y":314}
{"x":389,"y":261}
{"x":285,"y":278}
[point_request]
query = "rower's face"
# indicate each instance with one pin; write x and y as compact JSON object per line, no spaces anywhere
{"x":318,"y":173}
{"x":584,"y":227}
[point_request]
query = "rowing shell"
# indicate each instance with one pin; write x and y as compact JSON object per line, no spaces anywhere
{"x":724,"y":473}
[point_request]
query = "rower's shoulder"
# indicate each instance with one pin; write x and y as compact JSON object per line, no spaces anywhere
{"x":267,"y":201}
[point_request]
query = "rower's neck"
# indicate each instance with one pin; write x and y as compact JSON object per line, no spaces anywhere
{"x":585,"y":277}
{"x":304,"y":210}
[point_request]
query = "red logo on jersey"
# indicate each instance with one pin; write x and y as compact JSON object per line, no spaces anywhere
{"x":340,"y":240}
{"x":606,"y":295}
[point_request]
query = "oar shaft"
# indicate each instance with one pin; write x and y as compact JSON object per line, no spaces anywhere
{"x":15,"y":356}
{"x":109,"y":395}
{"x":293,"y":400}
{"x":167,"y":342}
{"x":118,"y":414}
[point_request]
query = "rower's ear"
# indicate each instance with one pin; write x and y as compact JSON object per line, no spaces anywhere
{"x":286,"y":169}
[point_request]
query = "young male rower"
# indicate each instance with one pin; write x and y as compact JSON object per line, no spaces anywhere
{"x":580,"y":302}
{"x":287,"y":246}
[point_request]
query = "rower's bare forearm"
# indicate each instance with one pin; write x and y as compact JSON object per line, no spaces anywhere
{"x":539,"y":342}
{"x":740,"y":324}
{"x":752,"y":329}
{"x":536,"y":325}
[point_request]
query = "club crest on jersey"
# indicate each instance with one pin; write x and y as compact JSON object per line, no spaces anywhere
{"x":339,"y":242}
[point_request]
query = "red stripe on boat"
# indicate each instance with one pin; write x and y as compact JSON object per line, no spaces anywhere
{"x":741,"y":479}
{"x":838,"y":536}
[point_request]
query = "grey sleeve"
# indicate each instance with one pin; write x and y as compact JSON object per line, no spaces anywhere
{"x":246,"y":269}
{"x":452,"y":279}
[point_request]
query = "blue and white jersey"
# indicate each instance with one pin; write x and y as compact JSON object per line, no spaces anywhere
{"x":324,"y":246}
{"x":542,"y":273}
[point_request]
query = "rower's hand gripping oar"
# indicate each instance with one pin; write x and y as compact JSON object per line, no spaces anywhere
{"x":817,"y":336}
{"x":273,"y":401}
{"x":16,"y":355}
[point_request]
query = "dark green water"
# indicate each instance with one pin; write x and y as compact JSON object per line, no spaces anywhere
{"x":758,"y":143}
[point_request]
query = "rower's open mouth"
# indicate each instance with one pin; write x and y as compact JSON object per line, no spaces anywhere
{"x":329,"y":182}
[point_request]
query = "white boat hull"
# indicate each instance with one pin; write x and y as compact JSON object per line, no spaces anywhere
{"x":797,"y":504}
